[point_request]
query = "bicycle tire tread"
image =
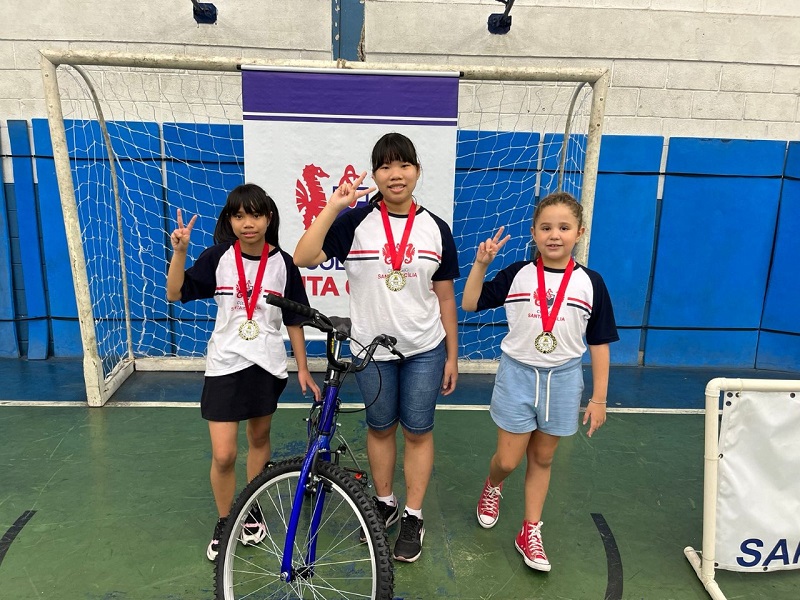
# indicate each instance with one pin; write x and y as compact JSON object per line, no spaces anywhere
{"x":343,"y":479}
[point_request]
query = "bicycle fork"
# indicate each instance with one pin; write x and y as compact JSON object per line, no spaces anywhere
{"x":307,"y":482}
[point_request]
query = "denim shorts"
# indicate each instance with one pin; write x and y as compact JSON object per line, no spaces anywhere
{"x":405,"y":391}
{"x":526,"y":398}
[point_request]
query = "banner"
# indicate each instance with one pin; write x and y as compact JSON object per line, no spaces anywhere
{"x":307,"y":131}
{"x":758,"y":499}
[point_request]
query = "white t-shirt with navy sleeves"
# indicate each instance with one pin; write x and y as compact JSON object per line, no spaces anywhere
{"x":214,"y":275}
{"x":357,"y":238}
{"x":585,"y":311}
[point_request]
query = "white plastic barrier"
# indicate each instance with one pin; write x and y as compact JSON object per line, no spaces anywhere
{"x":751,"y":496}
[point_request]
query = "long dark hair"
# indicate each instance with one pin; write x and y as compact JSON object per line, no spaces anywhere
{"x":253,"y":200}
{"x":391,"y":147}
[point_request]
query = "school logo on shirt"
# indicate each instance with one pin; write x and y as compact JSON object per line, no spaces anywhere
{"x":310,"y":196}
{"x":249,"y":289}
{"x":550,"y":297}
{"x":407,"y":257}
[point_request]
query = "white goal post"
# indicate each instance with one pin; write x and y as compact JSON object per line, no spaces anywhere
{"x":136,"y":134}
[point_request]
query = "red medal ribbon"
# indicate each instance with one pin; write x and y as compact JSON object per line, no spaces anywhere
{"x":396,"y":254}
{"x":549,"y":320}
{"x":250,"y":307}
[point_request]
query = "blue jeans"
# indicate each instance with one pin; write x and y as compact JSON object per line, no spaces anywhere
{"x":403,"y":390}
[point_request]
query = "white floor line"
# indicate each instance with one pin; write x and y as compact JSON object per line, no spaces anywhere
{"x":347,"y":406}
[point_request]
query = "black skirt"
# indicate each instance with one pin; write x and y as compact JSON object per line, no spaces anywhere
{"x":249,"y":393}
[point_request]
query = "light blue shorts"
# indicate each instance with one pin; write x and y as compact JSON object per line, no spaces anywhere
{"x":405,"y":390}
{"x":526,"y":398}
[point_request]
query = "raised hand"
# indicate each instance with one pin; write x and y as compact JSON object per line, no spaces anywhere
{"x":347,"y":194}
{"x":180,"y":237}
{"x":488,"y":250}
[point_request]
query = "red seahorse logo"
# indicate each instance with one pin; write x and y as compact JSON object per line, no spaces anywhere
{"x":309,"y":195}
{"x":407,"y":257}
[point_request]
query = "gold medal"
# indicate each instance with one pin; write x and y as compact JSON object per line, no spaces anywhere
{"x":545,"y":342}
{"x":248,"y":330}
{"x":395,"y":280}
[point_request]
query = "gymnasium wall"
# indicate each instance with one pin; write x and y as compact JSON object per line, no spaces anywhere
{"x":700,"y":68}
{"x":697,"y":68}
{"x":703,"y":276}
{"x":699,"y":190}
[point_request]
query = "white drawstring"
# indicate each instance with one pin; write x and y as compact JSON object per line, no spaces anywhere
{"x":547,"y":405}
{"x":547,"y":394}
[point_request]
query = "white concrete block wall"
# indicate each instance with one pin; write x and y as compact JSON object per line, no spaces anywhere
{"x":245,"y":28}
{"x":678,"y":67}
{"x":700,"y":68}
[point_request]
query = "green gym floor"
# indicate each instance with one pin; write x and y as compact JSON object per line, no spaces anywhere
{"x":114,"y":502}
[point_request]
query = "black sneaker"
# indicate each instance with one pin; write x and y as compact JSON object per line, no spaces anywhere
{"x":409,"y":542}
{"x":254,"y":529}
{"x":388,"y":513}
{"x":213,"y":546}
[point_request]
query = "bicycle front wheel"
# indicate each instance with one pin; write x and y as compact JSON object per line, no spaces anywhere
{"x":343,"y":567}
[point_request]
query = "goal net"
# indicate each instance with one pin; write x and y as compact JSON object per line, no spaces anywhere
{"x":135,"y":137}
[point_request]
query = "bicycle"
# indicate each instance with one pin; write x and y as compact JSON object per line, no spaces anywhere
{"x":323,"y":537}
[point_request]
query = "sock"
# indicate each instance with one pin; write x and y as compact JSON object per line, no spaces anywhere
{"x":413,"y":512}
{"x":391,"y":499}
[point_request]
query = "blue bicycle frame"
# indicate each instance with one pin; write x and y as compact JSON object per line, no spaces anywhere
{"x":321,"y":432}
{"x":319,"y":448}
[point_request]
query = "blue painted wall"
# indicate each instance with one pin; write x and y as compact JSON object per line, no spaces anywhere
{"x":703,"y":277}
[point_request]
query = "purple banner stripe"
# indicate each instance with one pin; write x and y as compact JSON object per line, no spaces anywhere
{"x":450,"y":123}
{"x":349,"y":94}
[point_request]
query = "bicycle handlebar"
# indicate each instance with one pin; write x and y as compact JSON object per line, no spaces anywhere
{"x":318,"y":320}
{"x":323,"y":323}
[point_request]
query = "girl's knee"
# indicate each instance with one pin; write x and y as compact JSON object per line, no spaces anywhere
{"x":506,"y":463}
{"x":224,"y":460}
{"x":382,"y":434}
{"x":418,"y":438}
{"x":542,"y":449}
{"x":542,"y":457}
{"x":543,"y":462}
{"x":258,"y":439}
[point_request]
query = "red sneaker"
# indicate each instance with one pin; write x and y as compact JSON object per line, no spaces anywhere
{"x":489,"y":505}
{"x":529,"y":544}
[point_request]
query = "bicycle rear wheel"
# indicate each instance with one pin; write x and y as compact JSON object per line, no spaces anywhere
{"x":344,"y":567}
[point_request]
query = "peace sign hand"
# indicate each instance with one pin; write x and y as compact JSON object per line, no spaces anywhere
{"x":180,"y":237}
{"x":488,"y":250}
{"x":348,"y":193}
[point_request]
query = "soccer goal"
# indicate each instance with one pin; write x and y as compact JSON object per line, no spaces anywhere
{"x":136,"y":136}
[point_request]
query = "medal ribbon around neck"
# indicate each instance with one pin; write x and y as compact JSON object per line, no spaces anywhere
{"x":396,"y":254}
{"x":549,"y":320}
{"x":250,"y":303}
